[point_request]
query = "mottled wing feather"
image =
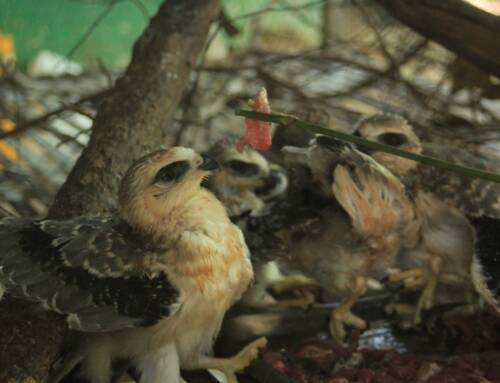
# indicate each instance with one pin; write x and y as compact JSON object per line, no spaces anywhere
{"x":487,"y":248}
{"x":87,"y":269}
{"x":474,"y":196}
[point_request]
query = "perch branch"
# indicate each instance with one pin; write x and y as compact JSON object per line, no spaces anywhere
{"x":464,"y":29}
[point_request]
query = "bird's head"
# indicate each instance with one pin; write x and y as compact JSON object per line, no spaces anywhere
{"x":395,"y":131}
{"x":246,"y":171}
{"x":162,"y":181}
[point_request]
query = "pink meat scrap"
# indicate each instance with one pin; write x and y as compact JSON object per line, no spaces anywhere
{"x":258,"y":133}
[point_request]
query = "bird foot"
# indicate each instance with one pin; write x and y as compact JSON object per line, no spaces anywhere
{"x":307,"y":299}
{"x":340,"y":318}
{"x":406,"y":275}
{"x":295,"y":283}
{"x":400,"y":309}
{"x":230,"y":366}
{"x":425,"y":302}
{"x":415,"y":283}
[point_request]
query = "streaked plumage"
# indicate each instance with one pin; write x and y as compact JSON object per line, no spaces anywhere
{"x":352,"y":218}
{"x":473,"y":196}
{"x":148,"y":286}
{"x":246,"y":179}
{"x":444,"y":201}
{"x":247,"y":184}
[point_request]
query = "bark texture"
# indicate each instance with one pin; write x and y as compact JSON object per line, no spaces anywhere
{"x":464,"y":29}
{"x":129,"y":123}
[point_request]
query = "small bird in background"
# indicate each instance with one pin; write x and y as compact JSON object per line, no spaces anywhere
{"x":349,"y":226}
{"x":144,"y":290}
{"x":444,"y":201}
{"x":247,"y":184}
{"x":246,"y":179}
{"x":473,"y":196}
{"x":442,"y":256}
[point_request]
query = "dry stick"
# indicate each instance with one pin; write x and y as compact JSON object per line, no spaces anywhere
{"x":287,"y":120}
{"x":21,"y":128}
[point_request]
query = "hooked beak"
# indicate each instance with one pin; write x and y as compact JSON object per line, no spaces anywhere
{"x":208,"y":163}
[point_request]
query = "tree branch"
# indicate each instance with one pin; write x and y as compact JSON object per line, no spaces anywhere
{"x":131,"y":120}
{"x":464,"y":29}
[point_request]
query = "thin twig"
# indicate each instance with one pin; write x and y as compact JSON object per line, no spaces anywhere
{"x":37,"y":121}
{"x":287,"y":120}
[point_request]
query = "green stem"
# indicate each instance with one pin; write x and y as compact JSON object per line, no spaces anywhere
{"x":286,"y":119}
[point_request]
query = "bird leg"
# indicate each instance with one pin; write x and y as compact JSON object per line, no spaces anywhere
{"x":229,"y":366}
{"x":415,"y":283}
{"x":407,"y":275}
{"x":292,"y":283}
{"x":342,"y":315}
{"x":426,"y":298}
{"x":400,"y":309}
{"x":455,"y":280}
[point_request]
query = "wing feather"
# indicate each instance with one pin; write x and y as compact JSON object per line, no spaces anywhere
{"x":473,"y":196}
{"x":87,"y":268}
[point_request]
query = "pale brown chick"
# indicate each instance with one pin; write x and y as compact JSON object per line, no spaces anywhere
{"x":445,"y":251}
{"x":442,"y":256}
{"x":358,"y":238}
{"x":246,"y":179}
{"x":472,"y":196}
{"x":149,"y":286}
{"x":245,"y":184}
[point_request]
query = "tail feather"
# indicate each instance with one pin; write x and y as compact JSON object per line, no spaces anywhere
{"x":485,"y":268}
{"x":480,"y":283}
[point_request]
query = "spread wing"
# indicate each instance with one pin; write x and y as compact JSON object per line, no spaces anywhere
{"x":88,"y":269}
{"x":474,"y":196}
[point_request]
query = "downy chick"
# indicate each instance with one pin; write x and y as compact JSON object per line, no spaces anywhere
{"x":148,"y":286}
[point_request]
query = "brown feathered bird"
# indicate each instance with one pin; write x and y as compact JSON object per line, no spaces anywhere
{"x":444,"y":201}
{"x":349,"y":226}
{"x":148,"y":286}
{"x":248,"y":184}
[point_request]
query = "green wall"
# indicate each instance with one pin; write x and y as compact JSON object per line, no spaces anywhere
{"x":58,"y":25}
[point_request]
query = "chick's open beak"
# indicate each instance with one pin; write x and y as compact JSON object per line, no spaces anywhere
{"x":208,"y":163}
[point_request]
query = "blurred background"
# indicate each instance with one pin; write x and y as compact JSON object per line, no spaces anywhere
{"x":329,"y":62}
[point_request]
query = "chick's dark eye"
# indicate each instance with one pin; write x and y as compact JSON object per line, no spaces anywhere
{"x":243,"y":168}
{"x":393,"y":139}
{"x":172,"y":172}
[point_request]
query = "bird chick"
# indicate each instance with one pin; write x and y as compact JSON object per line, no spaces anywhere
{"x":473,"y":197}
{"x":245,"y":184}
{"x":442,"y":256}
{"x":246,"y":179}
{"x":148,"y":286}
{"x":358,"y":230}
{"x":443,"y":200}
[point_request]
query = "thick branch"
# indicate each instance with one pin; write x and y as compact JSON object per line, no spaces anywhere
{"x":464,"y":29}
{"x":130,"y":121}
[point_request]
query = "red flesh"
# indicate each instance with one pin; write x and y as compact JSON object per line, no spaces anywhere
{"x":258,"y":133}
